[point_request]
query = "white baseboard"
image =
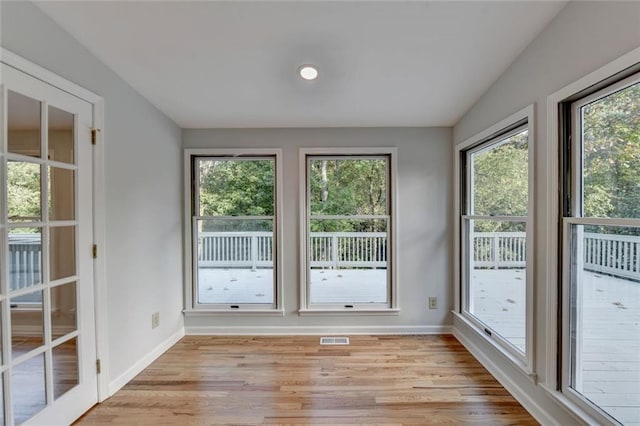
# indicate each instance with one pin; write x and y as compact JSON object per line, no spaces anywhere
{"x":143,"y":363}
{"x":316,"y":330}
{"x":540,"y":414}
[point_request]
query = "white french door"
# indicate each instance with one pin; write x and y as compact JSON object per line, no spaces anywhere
{"x":47,"y":313}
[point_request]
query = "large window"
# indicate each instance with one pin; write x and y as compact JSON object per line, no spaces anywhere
{"x":233,"y":219}
{"x":601,"y":235}
{"x":348,"y":230}
{"x":495,"y":227}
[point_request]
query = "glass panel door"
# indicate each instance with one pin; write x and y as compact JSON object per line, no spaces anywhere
{"x":46,"y":270}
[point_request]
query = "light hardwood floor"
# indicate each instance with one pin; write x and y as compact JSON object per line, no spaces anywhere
{"x":389,"y":380}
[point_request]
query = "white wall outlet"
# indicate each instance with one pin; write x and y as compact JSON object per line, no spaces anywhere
{"x":155,"y":320}
{"x":433,"y":303}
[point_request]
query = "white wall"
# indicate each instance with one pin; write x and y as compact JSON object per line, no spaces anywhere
{"x":143,"y":192}
{"x":424,"y":209}
{"x":582,"y":38}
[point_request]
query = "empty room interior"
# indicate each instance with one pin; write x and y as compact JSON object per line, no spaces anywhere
{"x":320,"y":212}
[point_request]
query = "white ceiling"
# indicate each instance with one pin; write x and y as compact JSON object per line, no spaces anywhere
{"x":233,"y":63}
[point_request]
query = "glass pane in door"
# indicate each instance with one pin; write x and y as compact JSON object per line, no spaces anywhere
{"x":63,"y":310}
{"x":61,"y":193}
{"x":61,"y":137}
{"x":28,"y":388}
{"x":27,"y":323}
{"x":65,"y":367}
{"x":62,"y":252}
{"x":23,"y":192}
{"x":25,"y":258}
{"x":23,"y":125}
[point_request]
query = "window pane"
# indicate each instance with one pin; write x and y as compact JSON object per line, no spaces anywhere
{"x":499,"y":177}
{"x":611,"y":155}
{"x":61,"y":140}
{"x":235,"y":261}
{"x":28,"y":389}
{"x":61,"y":194}
{"x":63,"y":310}
{"x":23,"y":192}
{"x":348,"y":261}
{"x":23,"y":125}
{"x":605,"y":318}
{"x":27,"y":323}
{"x":238,"y":187}
{"x":64,"y":359}
{"x":62,"y":252}
{"x":497,"y":276}
{"x":348,"y":186}
{"x":25,"y":258}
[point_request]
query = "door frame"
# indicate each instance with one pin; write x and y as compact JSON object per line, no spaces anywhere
{"x":99,"y":220}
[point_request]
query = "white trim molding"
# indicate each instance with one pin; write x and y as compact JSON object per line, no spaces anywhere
{"x":553,"y":208}
{"x":392,"y":303}
{"x":524,"y":118}
{"x":595,"y":84}
{"x":116,"y":384}
{"x":191,"y":307}
{"x":316,"y":330}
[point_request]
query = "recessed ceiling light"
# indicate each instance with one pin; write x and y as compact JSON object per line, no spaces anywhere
{"x":308,"y":72}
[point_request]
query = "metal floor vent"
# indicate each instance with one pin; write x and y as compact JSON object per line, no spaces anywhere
{"x":334,"y":340}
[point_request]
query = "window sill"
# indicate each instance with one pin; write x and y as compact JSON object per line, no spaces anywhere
{"x":517,"y":362}
{"x":225,"y":312}
{"x":348,"y":312}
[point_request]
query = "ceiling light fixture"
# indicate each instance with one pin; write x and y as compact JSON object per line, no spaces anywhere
{"x":308,"y":72}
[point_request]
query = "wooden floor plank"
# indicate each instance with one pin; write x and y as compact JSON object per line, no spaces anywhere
{"x":387,"y":380}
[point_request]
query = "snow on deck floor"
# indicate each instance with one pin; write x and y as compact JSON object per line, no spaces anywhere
{"x":246,"y":286}
{"x":611,"y":312}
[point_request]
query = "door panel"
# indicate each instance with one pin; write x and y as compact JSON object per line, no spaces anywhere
{"x":46,"y":268}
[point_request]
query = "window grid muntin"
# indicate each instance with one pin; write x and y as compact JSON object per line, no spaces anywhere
{"x":44,"y":224}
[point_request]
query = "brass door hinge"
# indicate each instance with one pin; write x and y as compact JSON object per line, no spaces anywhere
{"x":98,"y":366}
{"x":94,"y":251}
{"x":94,"y":136}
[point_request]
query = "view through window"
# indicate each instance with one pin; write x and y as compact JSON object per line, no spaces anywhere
{"x":494,"y":225}
{"x":234,"y":224}
{"x":348,"y":225}
{"x":602,"y":226}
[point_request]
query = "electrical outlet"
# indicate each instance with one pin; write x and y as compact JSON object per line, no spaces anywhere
{"x":155,"y":320}
{"x":433,"y":303}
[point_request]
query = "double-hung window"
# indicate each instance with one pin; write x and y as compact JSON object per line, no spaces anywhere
{"x":495,"y":229}
{"x":601,"y":252}
{"x":348,"y":228}
{"x":234,"y":229}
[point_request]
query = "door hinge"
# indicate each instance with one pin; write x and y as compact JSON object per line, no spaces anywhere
{"x":94,"y":136}
{"x":94,"y":251}
{"x":98,"y":366}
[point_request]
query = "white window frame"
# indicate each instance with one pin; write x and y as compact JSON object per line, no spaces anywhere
{"x":553,"y":368}
{"x":577,"y":218}
{"x":391,"y":306}
{"x":504,"y":128}
{"x":192,"y":307}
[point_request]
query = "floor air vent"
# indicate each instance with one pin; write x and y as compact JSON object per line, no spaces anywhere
{"x":334,"y":340}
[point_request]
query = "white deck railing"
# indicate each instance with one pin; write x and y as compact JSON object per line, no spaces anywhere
{"x":499,"y":250}
{"x":25,"y":260}
{"x":327,"y":249}
{"x":616,"y":255}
